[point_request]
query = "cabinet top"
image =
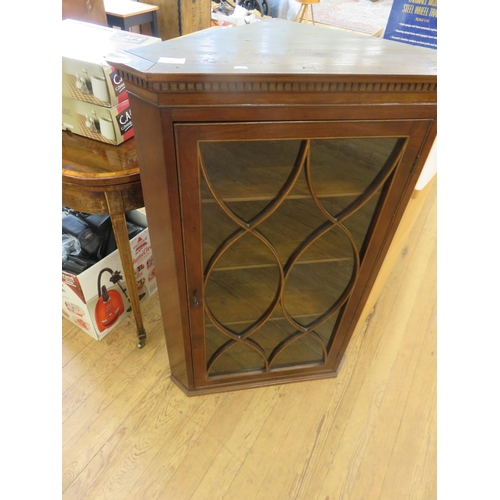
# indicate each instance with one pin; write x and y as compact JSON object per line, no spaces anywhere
{"x":282,"y":62}
{"x":283,"y":48}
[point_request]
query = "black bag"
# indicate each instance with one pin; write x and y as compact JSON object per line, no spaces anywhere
{"x":95,"y":234}
{"x":76,"y":264}
{"x":132,"y":229}
{"x":80,"y":229}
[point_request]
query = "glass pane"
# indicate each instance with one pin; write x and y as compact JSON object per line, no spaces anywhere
{"x":303,"y":350}
{"x":326,"y":329}
{"x":347,"y":166}
{"x":312,"y":289}
{"x":240,"y":296}
{"x":214,"y":339}
{"x":293,"y":223}
{"x":216,"y":227}
{"x":251,"y":170}
{"x":238,"y":358}
{"x":253,"y":236}
{"x":359,"y":222}
{"x":272,"y":333}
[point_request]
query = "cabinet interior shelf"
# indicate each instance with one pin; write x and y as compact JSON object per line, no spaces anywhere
{"x":261,"y":266}
{"x":289,"y":197}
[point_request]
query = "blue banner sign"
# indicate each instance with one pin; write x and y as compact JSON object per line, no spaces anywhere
{"x":413,"y":22}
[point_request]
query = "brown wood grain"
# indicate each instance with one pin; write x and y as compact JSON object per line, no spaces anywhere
{"x":278,"y":47}
{"x":228,"y":203}
{"x":178,"y":18}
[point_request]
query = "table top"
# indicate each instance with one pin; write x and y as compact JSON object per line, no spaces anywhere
{"x":90,"y":162}
{"x":125,"y":8}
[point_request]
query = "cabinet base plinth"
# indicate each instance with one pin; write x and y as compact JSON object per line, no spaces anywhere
{"x":237,"y":386}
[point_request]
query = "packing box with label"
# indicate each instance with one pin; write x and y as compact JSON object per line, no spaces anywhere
{"x":110,"y":125}
{"x":97,"y":299}
{"x":88,"y":51}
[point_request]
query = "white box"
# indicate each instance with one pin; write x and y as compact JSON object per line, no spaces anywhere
{"x":83,"y":299}
{"x":87,"y":51}
{"x":109,"y":125}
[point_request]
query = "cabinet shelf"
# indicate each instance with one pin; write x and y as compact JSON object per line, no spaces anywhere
{"x":239,"y":297}
{"x":289,"y":197}
{"x":278,"y":316}
{"x":256,"y":170}
{"x":286,"y":229}
{"x":260,"y":266}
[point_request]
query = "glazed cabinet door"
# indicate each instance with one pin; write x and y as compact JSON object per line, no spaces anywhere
{"x":284,"y":225}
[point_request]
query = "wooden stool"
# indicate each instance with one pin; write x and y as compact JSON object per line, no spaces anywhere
{"x":125,"y":14}
{"x":303,"y":10}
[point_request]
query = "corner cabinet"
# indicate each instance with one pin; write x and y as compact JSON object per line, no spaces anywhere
{"x":276,"y":160}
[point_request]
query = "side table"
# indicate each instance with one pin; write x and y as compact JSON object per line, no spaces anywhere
{"x":126,"y":14}
{"x":99,"y":178}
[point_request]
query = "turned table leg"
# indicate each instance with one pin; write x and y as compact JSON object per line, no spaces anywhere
{"x":117,"y":215}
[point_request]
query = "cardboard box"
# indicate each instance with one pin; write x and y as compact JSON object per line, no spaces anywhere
{"x":110,"y":125}
{"x":87,"y":52}
{"x":83,"y":299}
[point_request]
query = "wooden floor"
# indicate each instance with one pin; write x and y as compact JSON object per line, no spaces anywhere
{"x":130,"y":433}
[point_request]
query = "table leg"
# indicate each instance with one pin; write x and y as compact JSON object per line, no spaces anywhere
{"x":115,"y":21}
{"x":154,"y":24}
{"x":117,"y":215}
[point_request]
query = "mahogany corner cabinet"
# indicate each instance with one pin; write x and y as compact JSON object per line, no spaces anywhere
{"x":276,"y":162}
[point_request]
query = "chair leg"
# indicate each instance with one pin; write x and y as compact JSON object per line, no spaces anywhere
{"x":300,"y":11}
{"x":304,"y":13}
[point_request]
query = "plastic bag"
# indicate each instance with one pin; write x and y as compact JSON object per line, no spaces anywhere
{"x":70,"y":246}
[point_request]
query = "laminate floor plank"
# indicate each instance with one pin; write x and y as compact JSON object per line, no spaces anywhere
{"x":383,"y":395}
{"x":129,"y":433}
{"x":73,"y":341}
{"x":417,"y":432}
{"x":346,"y":429}
{"x":138,"y":359}
{"x":420,"y":332}
{"x":160,"y":471}
{"x":244,"y":414}
{"x":78,"y":365}
{"x":124,"y":453}
{"x":93,"y":438}
{"x":91,"y":409}
{"x":163,"y":473}
{"x":87,"y":384}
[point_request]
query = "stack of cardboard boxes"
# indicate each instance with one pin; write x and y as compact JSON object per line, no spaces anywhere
{"x":95,"y":102}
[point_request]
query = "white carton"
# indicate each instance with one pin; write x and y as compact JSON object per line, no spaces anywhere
{"x":83,"y":297}
{"x":109,"y":125}
{"x":87,"y":52}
